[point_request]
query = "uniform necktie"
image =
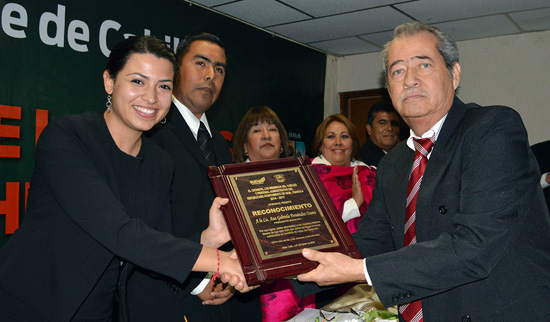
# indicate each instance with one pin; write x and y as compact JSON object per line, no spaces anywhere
{"x":205,"y":143}
{"x":412,"y":312}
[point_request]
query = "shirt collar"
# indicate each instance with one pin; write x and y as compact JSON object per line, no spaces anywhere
{"x":433,"y":131}
{"x":192,"y":121}
{"x":321,"y":160}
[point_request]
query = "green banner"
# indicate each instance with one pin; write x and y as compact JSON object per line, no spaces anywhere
{"x":53,"y":53}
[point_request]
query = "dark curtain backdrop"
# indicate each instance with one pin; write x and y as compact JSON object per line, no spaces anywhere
{"x":51,"y":60}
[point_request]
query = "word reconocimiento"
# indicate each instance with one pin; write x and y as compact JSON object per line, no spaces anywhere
{"x":280,"y":209}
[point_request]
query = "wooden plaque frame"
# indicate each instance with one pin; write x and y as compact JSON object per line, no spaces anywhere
{"x":258,"y":261}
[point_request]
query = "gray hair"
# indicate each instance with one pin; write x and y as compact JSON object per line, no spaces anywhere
{"x":447,"y":47}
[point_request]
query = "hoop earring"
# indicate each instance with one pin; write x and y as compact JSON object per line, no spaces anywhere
{"x":109,"y":104}
{"x":163,"y":121}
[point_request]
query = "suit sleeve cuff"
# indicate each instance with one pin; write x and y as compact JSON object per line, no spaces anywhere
{"x":367,"y":277}
{"x":202,"y":285}
{"x":543,"y":182}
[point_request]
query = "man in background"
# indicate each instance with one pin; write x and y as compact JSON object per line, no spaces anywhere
{"x":383,"y":130}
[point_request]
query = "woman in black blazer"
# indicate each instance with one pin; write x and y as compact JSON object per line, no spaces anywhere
{"x":99,"y":203}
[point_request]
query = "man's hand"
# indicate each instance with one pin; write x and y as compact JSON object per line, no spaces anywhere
{"x":217,"y":293}
{"x":217,"y":233}
{"x":334,"y":268}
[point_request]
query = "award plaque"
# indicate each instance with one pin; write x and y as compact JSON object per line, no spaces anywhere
{"x":276,"y":209}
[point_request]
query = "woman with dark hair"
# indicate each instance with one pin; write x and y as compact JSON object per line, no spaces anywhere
{"x":349,"y":182}
{"x":97,"y":190}
{"x":259,"y":137}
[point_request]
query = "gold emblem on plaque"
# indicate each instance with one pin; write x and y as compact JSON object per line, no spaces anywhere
{"x":257,"y":181}
{"x":280,"y":178}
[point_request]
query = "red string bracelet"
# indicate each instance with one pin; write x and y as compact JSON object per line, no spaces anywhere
{"x":215,"y":275}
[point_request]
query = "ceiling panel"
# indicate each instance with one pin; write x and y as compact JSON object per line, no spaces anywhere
{"x":356,"y":23}
{"x":379,"y":38}
{"x":320,"y":8}
{"x":532,"y":20}
{"x":346,"y":46}
{"x":434,"y":11}
{"x":476,"y":28}
{"x":262,"y":13}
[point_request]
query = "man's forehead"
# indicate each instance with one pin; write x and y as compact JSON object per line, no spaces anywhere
{"x":206,"y":48}
{"x":385,"y":115}
{"x":422,"y":45}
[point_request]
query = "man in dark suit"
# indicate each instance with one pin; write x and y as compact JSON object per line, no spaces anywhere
{"x":202,"y":66}
{"x":383,"y":130}
{"x":480,"y":246}
{"x":542,"y":153}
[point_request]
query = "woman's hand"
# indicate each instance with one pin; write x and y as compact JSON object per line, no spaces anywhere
{"x":226,"y":264}
{"x":356,"y":192}
{"x":217,"y":233}
{"x":232,"y":273}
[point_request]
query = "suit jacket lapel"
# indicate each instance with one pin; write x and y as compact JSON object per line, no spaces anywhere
{"x":442,"y":155}
{"x":184,"y":134}
{"x":219,"y":143}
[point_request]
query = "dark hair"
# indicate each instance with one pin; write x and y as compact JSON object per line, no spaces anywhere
{"x":446,"y":46}
{"x":322,"y":128}
{"x":257,"y":115}
{"x":382,"y":106}
{"x":139,"y":45}
{"x":185,"y":44}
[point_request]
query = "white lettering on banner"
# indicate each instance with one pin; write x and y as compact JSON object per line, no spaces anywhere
{"x":8,"y":20}
{"x":105,"y":26}
{"x":176,"y":41}
{"x":73,"y":36}
{"x":59,"y":21}
{"x":15,"y":20}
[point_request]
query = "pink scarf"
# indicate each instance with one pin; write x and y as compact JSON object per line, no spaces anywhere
{"x":338,"y":182}
{"x":280,"y":302}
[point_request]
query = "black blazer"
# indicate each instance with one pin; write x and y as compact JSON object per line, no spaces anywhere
{"x":371,"y":154}
{"x":156,"y":298}
{"x":482,"y":227}
{"x":192,"y":193}
{"x":75,"y":223}
{"x":542,"y":153}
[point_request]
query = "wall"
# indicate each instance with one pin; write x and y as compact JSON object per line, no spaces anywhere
{"x":508,"y":70}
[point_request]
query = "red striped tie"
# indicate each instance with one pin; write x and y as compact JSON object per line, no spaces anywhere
{"x":412,"y":312}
